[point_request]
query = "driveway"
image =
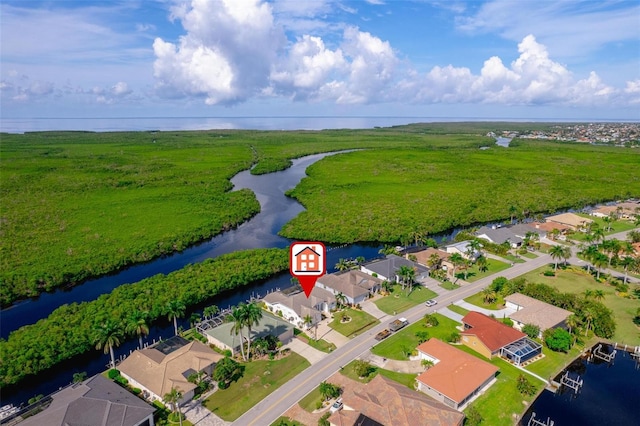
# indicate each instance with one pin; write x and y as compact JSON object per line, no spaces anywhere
{"x":450,"y":314}
{"x":311,"y":354}
{"x":201,"y":416}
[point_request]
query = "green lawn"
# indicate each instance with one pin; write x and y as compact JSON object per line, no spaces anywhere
{"x":403,"y":378}
{"x":286,"y":421}
{"x":320,"y":344}
{"x":360,"y":322}
{"x":498,"y":404}
{"x":309,"y":402}
{"x":494,"y":266}
{"x":572,"y":281}
{"x":458,"y":309}
{"x":554,"y":362}
{"x":259,"y":380}
{"x":617,"y":226}
{"x":398,"y":344}
{"x":529,"y":255}
{"x":448,"y":285}
{"x":478,"y":300}
{"x":398,"y":301}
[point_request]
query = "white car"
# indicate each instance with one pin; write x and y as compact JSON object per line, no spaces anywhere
{"x":430,"y":303}
{"x":337,"y":406}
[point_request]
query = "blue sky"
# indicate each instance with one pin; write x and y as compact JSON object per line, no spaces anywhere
{"x":493,"y":59}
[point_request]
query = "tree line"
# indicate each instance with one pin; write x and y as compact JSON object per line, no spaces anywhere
{"x":71,"y":329}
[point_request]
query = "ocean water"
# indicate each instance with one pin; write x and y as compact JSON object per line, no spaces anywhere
{"x":22,"y":125}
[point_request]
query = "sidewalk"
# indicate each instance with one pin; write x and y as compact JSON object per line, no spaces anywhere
{"x":311,"y":354}
{"x":330,"y":335}
{"x":444,"y":311}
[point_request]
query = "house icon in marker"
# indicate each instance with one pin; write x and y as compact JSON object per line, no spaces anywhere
{"x":307,"y":260}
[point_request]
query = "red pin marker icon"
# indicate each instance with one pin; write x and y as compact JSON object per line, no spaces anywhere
{"x":307,"y":263}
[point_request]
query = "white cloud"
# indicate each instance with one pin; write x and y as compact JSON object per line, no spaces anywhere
{"x":226,"y":54}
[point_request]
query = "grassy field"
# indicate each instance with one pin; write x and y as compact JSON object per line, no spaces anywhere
{"x":554,"y":362}
{"x":493,"y":266}
{"x":624,"y":309}
{"x":398,"y":301}
{"x":406,"y":379}
{"x":360,"y":322}
{"x":397,"y":345}
{"x":617,"y":226}
{"x":309,"y":402}
{"x":262,"y":377}
{"x":401,"y":191}
{"x":478,"y":300}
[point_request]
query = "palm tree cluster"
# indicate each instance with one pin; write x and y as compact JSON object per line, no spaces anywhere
{"x":559,"y":252}
{"x":602,"y":253}
{"x":245,"y":315}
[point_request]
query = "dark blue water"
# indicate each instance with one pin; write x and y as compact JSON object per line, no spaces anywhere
{"x":261,"y":231}
{"x":610,"y":395}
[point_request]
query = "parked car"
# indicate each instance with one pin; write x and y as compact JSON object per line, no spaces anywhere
{"x":337,"y":406}
{"x":430,"y":303}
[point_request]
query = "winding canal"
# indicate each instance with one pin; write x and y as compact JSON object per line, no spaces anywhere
{"x":259,"y":232}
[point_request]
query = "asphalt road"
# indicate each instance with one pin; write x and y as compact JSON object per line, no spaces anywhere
{"x":274,"y":405}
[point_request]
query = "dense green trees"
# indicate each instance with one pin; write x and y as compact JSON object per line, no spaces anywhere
{"x":226,"y":371}
{"x":70,"y":329}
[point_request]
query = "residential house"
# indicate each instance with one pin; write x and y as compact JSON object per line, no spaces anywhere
{"x":533,"y":311}
{"x":95,"y":402}
{"x":604,"y":211}
{"x":630,"y":209}
{"x":423,"y":257}
{"x":166,"y":365}
{"x":295,"y":306}
{"x":222,"y":336}
{"x":387,"y":268}
{"x":551,"y":228}
{"x":456,"y":377}
{"x":385,"y":402}
{"x":489,"y":337}
{"x":522,"y":230}
{"x":463,"y":248}
{"x":499,"y":236}
{"x":573,"y":221}
{"x":355,"y":286}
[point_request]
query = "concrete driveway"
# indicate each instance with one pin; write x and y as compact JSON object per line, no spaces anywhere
{"x":311,"y":354}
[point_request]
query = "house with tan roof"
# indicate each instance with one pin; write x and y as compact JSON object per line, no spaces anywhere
{"x":385,"y":402}
{"x":456,"y":377}
{"x":356,"y":286}
{"x":603,"y":211}
{"x":533,"y":311}
{"x":572,"y":220}
{"x":168,"y":364}
{"x":424,"y":257}
{"x":294,"y":305}
{"x":489,"y":337}
{"x":95,"y":402}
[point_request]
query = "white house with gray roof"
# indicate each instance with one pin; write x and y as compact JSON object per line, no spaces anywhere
{"x":499,"y":236}
{"x":387,"y":268}
{"x":294,"y":305}
{"x":462,"y":248}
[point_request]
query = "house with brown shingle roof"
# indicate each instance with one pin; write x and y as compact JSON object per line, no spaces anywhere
{"x":571,"y":220}
{"x":168,"y":364}
{"x":356,"y":286}
{"x":385,"y":402}
{"x":456,"y":377}
{"x":423,"y":257}
{"x":489,"y":337}
{"x":533,"y":311}
{"x":294,"y":305}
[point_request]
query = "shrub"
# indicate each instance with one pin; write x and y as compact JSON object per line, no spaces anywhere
{"x":531,"y":330}
{"x":363,"y":368}
{"x":473,"y":416}
{"x":454,"y":337}
{"x":113,"y":373}
{"x":498,"y":284}
{"x":557,"y":339}
{"x":525,"y":387}
{"x":431,"y":320}
{"x":507,"y":321}
{"x":324,"y":420}
{"x":422,"y":336}
{"x":549,"y":273}
{"x":136,"y":391}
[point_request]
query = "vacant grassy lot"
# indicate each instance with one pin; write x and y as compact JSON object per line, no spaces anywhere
{"x":399,"y":301}
{"x":360,"y":322}
{"x":474,"y":274}
{"x":404,"y":341}
{"x":259,"y":380}
{"x":570,"y":281}
{"x":404,"y":378}
{"x":478,"y":300}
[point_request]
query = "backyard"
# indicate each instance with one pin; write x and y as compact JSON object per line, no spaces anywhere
{"x":577,"y":281}
{"x":359,"y":322}
{"x":399,"y":301}
{"x":262,"y":378}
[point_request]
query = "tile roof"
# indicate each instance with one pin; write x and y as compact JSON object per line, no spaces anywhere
{"x":390,"y":403}
{"x":492,"y":333}
{"x":499,"y":235}
{"x":300,"y":303}
{"x":570,"y":219}
{"x":536,"y":312}
{"x":457,"y":374}
{"x":550,"y":226}
{"x":353,"y":284}
{"x":159,"y":373}
{"x":423,"y":256}
{"x":95,"y":402}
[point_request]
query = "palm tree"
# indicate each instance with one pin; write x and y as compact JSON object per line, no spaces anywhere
{"x":598,"y":295}
{"x":106,"y":336}
{"x":342,"y":265}
{"x":457,"y":260}
{"x":627,"y":262}
{"x":308,"y":320}
{"x":572,"y":322}
{"x":598,"y":235}
{"x":341,"y":299}
{"x":589,"y":254}
{"x":588,"y":294}
{"x":137,"y":325}
{"x":489,"y":295}
{"x":210,"y":311}
{"x":434,"y":261}
{"x":326,"y":390}
{"x":599,"y":262}
{"x":475,"y":246}
{"x":172,"y":398}
{"x":194,"y":319}
{"x":588,"y":317}
{"x":175,"y":309}
{"x":612,"y":247}
{"x":360,"y":260}
{"x":482,"y":264}
{"x":252,"y":316}
{"x":238,"y":319}
{"x":557,"y":253}
{"x":407,"y":275}
{"x":566,"y":254}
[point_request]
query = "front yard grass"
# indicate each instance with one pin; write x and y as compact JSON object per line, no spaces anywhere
{"x":398,"y":301}
{"x":311,"y":400}
{"x":406,"y":379}
{"x":478,"y":300}
{"x":397,"y":345}
{"x":529,"y":255}
{"x":577,"y":281}
{"x":259,"y":380}
{"x":320,"y":344}
{"x":448,"y":285}
{"x":493,"y":266}
{"x":360,"y":322}
{"x":458,"y":309}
